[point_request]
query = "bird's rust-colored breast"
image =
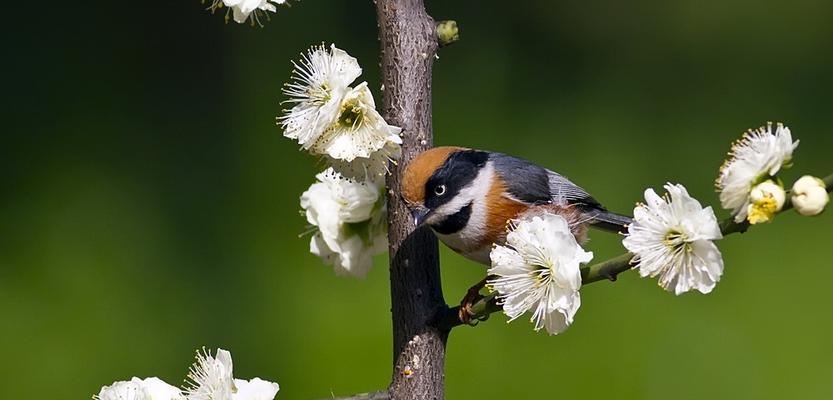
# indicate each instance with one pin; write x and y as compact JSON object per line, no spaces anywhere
{"x":504,"y":209}
{"x":501,"y":209}
{"x":420,"y":169}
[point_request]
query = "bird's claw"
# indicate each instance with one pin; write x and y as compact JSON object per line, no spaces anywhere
{"x":466,"y":314}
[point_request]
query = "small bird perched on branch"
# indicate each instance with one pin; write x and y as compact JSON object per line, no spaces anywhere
{"x":467,"y":197}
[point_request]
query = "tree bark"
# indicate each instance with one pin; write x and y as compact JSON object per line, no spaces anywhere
{"x":408,"y":48}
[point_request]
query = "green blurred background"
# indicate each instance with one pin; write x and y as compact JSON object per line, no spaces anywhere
{"x":149,"y":204}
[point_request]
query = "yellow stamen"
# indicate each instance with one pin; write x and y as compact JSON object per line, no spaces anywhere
{"x":762,"y":210}
{"x":351,"y":114}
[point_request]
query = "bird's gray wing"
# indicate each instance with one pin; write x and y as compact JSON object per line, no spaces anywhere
{"x":524,"y":180}
{"x":566,"y":192}
{"x":533,"y":184}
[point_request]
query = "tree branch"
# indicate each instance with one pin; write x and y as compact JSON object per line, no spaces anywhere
{"x":605,"y":270}
{"x":408,"y":42}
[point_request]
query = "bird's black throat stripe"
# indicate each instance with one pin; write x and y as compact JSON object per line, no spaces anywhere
{"x":455,"y":222}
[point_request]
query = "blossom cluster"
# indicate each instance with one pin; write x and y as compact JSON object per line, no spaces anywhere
{"x":335,"y":121}
{"x":350,"y":222}
{"x":748,"y":182}
{"x":671,"y":237}
{"x":210,"y":378}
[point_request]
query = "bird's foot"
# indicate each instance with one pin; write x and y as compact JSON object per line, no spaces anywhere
{"x":472,"y":296}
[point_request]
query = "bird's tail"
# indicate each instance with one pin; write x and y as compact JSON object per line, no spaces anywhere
{"x":608,"y":221}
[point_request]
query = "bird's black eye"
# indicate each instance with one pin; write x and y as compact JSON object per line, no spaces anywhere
{"x":439,"y":190}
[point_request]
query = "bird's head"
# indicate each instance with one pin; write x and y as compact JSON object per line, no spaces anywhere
{"x":441,"y":184}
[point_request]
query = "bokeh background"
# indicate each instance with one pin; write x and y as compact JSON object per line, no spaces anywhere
{"x":149,"y":204}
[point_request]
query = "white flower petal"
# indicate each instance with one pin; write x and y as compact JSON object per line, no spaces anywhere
{"x":320,"y":247}
{"x":122,"y":390}
{"x":140,"y":389}
{"x":240,"y":16}
{"x":506,"y":261}
{"x":157,"y":389}
{"x":255,"y":389}
{"x":373,"y":168}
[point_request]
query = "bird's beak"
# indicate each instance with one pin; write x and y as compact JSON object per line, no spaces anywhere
{"x":420,"y":214}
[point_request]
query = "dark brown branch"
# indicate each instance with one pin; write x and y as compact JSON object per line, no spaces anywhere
{"x":408,"y":48}
{"x":606,"y":270}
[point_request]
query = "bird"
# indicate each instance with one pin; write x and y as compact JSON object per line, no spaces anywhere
{"x":467,"y":197}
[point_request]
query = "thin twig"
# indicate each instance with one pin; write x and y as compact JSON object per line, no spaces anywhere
{"x":380,"y":395}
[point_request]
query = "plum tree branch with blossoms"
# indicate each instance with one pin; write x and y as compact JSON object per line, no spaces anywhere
{"x":605,"y":270}
{"x":355,"y":210}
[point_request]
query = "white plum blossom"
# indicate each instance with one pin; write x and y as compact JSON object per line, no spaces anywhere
{"x":255,"y":389}
{"x":756,"y":158}
{"x":122,"y":390}
{"x":157,"y":389}
{"x":243,"y":10}
{"x":349,"y":220}
{"x":359,"y":130}
{"x":212,"y":379}
{"x":809,"y":195}
{"x":319,"y":82}
{"x":539,"y":271}
{"x":671,"y":237}
{"x":139,"y":389}
{"x":339,"y":122}
{"x":765,"y":200}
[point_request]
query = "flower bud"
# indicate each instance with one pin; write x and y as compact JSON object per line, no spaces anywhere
{"x":767,"y":198}
{"x":809,"y":195}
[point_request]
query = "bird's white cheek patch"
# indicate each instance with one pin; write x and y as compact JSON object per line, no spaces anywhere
{"x":475,"y":193}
